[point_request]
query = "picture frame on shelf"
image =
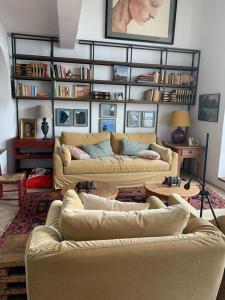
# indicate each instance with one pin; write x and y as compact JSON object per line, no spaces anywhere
{"x":133,"y":118}
{"x":120,"y":73}
{"x":208,"y":109}
{"x":80,"y":117}
{"x":108,"y":110}
{"x":191,"y":141}
{"x":107,"y":125}
{"x":148,"y":119}
{"x":64,"y":117}
{"x":28,"y":128}
{"x":158,"y":27}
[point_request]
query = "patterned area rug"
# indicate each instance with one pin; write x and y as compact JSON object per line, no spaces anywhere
{"x":38,"y":203}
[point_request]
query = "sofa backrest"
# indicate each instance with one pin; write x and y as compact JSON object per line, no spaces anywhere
{"x":78,"y":139}
{"x":146,"y":138}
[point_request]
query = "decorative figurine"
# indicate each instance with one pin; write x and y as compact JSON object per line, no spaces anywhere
{"x":172,"y":181}
{"x":85,"y":185}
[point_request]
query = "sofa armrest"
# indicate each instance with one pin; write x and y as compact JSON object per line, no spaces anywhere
{"x":57,"y":145}
{"x":177,"y":199}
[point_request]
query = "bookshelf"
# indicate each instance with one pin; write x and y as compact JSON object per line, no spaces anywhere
{"x":170,"y":93}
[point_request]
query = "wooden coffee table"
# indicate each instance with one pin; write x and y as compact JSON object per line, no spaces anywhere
{"x":103,"y":189}
{"x":159,"y":189}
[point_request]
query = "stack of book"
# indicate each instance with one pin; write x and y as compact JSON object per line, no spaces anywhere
{"x":152,"y":95}
{"x":100,"y":95}
{"x":26,"y":90}
{"x":148,"y":78}
{"x":178,"y":79}
{"x":34,"y":69}
{"x":179,"y":96}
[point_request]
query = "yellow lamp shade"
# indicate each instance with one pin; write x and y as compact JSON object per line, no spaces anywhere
{"x":180,"y":119}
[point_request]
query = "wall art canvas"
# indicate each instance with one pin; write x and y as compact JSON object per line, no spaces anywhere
{"x":64,"y":117}
{"x":107,"y":125}
{"x":148,"y":119}
{"x":80,"y":117}
{"x":142,"y":20}
{"x":208,"y":109}
{"x":108,"y":110}
{"x":28,"y":128}
{"x":120,"y":73}
{"x":134,"y":119}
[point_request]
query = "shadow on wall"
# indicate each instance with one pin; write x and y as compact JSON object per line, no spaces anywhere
{"x":7,"y":111}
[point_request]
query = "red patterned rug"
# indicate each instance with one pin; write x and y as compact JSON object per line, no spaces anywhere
{"x":38,"y":203}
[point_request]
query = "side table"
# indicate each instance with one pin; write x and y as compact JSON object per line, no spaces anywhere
{"x":189,"y":152}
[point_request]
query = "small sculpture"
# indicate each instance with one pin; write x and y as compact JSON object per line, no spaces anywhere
{"x":85,"y":185}
{"x":172,"y":181}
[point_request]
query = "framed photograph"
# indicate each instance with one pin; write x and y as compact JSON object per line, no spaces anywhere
{"x":144,"y":20}
{"x":120,"y":73}
{"x":108,"y":110}
{"x":28,"y":128}
{"x":148,"y":119}
{"x":191,"y":141}
{"x":80,"y":117}
{"x":134,"y":119}
{"x":107,"y":125}
{"x":64,"y":117}
{"x":208,"y":109}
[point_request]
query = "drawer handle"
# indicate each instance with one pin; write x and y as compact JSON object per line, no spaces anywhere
{"x":190,"y":151}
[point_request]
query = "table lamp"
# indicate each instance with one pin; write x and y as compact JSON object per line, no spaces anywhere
{"x":179,"y":119}
{"x":44,"y":111}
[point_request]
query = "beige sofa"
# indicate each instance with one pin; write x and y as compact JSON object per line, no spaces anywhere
{"x":118,"y":170}
{"x":188,"y":266}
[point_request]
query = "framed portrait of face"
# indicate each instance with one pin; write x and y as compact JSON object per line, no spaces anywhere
{"x":108,"y":125}
{"x":148,"y":119}
{"x":108,"y":110}
{"x":28,"y":128}
{"x":64,"y":117}
{"x":134,"y":119}
{"x":141,"y":20}
{"x":80,"y":117}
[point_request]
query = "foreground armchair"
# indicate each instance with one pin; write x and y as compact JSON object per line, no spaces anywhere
{"x":181,"y":267}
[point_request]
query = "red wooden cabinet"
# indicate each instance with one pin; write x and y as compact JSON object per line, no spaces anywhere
{"x":25,"y":149}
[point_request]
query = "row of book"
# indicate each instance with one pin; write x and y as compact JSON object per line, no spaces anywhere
{"x":34,"y":69}
{"x":166,"y":78}
{"x":152,"y":95}
{"x":178,"y":96}
{"x":72,"y":91}
{"x":26,"y":90}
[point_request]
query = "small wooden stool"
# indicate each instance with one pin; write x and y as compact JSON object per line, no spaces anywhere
{"x":18,"y":180}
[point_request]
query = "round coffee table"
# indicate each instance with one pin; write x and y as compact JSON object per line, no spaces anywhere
{"x":103,"y":189}
{"x":159,"y":189}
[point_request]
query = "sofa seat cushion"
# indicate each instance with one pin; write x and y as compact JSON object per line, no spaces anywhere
{"x":85,"y":225}
{"x":115,"y":164}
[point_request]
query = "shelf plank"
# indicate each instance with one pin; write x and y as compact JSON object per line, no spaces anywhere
{"x":32,"y":98}
{"x":72,"y":80}
{"x":33,"y":78}
{"x":33,"y":156}
{"x":103,"y":62}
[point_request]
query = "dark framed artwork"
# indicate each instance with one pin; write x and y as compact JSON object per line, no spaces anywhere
{"x":64,"y":117}
{"x":208,"y":109}
{"x":144,"y":20}
{"x":133,"y":118}
{"x":28,"y":128}
{"x":80,"y":118}
{"x":108,"y":125}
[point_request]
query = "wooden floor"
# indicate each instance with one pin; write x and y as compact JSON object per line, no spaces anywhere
{"x":12,"y":268}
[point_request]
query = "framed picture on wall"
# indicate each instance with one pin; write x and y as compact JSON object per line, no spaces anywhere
{"x":28,"y":128}
{"x":108,"y":110}
{"x":148,"y":119}
{"x":80,"y":118}
{"x":134,"y":119}
{"x":208,"y":109}
{"x":143,"y":20}
{"x":64,"y":117}
{"x":107,"y":125}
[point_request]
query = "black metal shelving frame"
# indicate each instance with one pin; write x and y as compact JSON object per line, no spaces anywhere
{"x":162,"y":66}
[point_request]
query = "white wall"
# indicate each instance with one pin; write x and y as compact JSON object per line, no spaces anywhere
{"x":211,"y":80}
{"x":7,"y":105}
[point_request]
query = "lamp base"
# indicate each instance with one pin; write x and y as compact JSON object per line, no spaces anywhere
{"x":44,"y":128}
{"x":178,"y":136}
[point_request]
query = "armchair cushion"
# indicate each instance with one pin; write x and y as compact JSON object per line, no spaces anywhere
{"x":84,"y":225}
{"x":94,"y":202}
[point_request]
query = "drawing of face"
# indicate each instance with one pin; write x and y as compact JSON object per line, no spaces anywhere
{"x":28,"y":129}
{"x":144,"y":10}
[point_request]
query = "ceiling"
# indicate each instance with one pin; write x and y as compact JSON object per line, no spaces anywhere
{"x":58,"y":18}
